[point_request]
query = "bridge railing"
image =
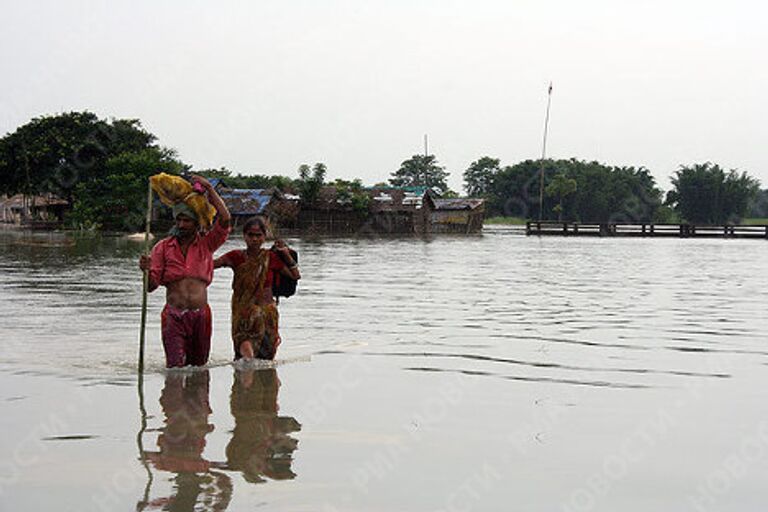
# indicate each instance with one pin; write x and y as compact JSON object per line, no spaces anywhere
{"x":645,"y":230}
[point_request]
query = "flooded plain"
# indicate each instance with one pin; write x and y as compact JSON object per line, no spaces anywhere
{"x":479,"y":373}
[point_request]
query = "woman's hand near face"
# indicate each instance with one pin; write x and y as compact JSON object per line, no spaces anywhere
{"x":281,"y":246}
{"x":292,"y":268}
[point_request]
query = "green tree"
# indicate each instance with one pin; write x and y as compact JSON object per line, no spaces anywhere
{"x":758,"y":207}
{"x":282,"y":183}
{"x":251,"y":181}
{"x":603,"y":193}
{"x":449,"y":194}
{"x":707,"y":194}
{"x":515,"y":190}
{"x":99,"y":166}
{"x":353,"y":194}
{"x":33,"y":155}
{"x":479,"y":176}
{"x":666,"y":215}
{"x":56,"y":153}
{"x":559,"y":187}
{"x":78,"y":156}
{"x":311,"y":180}
{"x":116,"y":200}
{"x":420,"y":171}
{"x":612,"y":194}
{"x":217,"y":174}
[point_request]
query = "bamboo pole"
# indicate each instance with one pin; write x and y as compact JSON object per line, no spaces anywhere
{"x":140,"y":444}
{"x":140,"y":384}
{"x":146,"y":282}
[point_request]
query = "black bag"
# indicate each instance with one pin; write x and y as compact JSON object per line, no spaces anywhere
{"x":282,"y":285}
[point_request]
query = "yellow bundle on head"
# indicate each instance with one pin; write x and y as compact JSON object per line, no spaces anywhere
{"x":175,"y":189}
{"x":204,"y":210}
{"x":171,"y":189}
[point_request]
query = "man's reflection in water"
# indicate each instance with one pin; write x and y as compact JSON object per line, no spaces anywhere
{"x":181,"y":442}
{"x":260,"y":447}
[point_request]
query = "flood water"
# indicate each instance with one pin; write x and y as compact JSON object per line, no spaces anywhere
{"x":481,"y":373}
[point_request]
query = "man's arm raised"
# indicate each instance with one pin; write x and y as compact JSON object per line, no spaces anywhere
{"x":214,"y":198}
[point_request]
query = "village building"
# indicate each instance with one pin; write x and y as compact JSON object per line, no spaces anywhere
{"x":455,"y":215}
{"x":391,"y":210}
{"x":330,"y":213}
{"x":33,"y":211}
{"x":368,"y":211}
{"x":281,"y":209}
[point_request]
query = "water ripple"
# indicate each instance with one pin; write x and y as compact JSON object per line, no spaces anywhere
{"x":573,"y":308}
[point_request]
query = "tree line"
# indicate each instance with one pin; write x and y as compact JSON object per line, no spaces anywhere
{"x":576,"y":190}
{"x":101,"y":167}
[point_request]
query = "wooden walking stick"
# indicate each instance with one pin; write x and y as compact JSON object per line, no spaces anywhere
{"x":143,"y":411}
{"x":146,"y":281}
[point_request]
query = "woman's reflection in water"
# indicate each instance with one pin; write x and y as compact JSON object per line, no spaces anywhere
{"x":181,"y":442}
{"x":261,"y":446}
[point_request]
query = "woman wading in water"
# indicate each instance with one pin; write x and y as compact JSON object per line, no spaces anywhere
{"x":254,"y":312}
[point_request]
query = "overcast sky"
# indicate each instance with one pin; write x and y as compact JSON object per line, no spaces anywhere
{"x":261,"y":87}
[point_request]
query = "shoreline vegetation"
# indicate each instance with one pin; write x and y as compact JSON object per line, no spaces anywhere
{"x":504,"y":221}
{"x":138,"y":236}
{"x":755,"y":222}
{"x":81,"y":172}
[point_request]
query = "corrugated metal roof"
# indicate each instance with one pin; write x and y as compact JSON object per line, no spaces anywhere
{"x":244,"y":201}
{"x":457,"y":204}
{"x":17,"y":201}
{"x":416,"y":190}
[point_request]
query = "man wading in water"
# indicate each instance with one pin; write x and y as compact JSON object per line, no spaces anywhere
{"x":183,"y":263}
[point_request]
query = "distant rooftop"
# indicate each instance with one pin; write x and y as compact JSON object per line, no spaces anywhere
{"x":457,"y":204}
{"x":243,"y":201}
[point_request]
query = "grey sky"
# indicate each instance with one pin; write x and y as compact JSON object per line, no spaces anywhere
{"x":261,"y":87}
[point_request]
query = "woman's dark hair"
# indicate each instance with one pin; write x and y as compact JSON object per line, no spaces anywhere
{"x":255,"y":221}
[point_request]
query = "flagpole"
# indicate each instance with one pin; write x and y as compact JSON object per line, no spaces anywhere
{"x":544,"y":155}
